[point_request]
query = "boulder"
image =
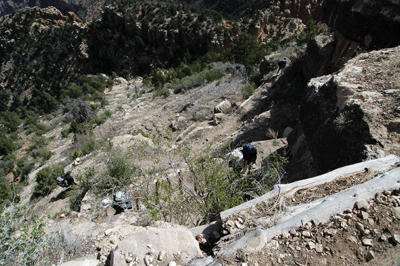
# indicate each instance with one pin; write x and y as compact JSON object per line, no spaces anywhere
{"x":176,"y":243}
{"x":223,"y":107}
{"x":128,"y":140}
{"x":318,"y":57}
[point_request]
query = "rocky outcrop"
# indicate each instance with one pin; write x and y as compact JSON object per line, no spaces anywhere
{"x":318,"y":56}
{"x":303,"y":9}
{"x":374,"y":24}
{"x":364,"y":26}
{"x":350,"y":116}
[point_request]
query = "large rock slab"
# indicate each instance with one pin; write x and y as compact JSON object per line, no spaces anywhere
{"x":156,"y":244}
{"x":85,"y":261}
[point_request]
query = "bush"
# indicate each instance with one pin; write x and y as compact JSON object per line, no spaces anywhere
{"x":6,"y":192}
{"x":10,"y":121}
{"x":26,"y":247}
{"x":194,"y":80}
{"x":247,"y":91}
{"x":309,"y":32}
{"x":119,"y":173}
{"x":6,"y":146}
{"x":108,"y":113}
{"x":214,"y":187}
{"x":46,"y":180}
{"x":39,"y":149}
{"x":78,"y":111}
{"x":162,"y":92}
{"x":246,"y":50}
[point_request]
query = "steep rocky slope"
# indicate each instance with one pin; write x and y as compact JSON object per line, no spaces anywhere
{"x":196,"y":125}
{"x":343,"y":106}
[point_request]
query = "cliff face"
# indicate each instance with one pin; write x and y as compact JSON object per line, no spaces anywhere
{"x":303,"y":9}
{"x":365,"y":26}
{"x":374,"y":24}
{"x":350,"y":116}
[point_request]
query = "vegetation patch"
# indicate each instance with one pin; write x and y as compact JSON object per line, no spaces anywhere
{"x":46,"y":180}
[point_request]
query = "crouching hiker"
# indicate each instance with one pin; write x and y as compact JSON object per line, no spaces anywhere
{"x":121,"y":202}
{"x":67,"y":180}
{"x":249,"y":154}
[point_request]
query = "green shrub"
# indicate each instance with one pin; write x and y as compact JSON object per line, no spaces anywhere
{"x":65,"y":133}
{"x":188,"y":82}
{"x":6,"y":193}
{"x":46,"y":180}
{"x":99,"y":120}
{"x":246,"y":50}
{"x":6,"y":146}
{"x":309,"y":32}
{"x":248,"y":90}
{"x":76,"y":128}
{"x":25,"y":166}
{"x":89,"y":146}
{"x":28,"y":246}
{"x":76,"y":154}
{"x":108,"y":113}
{"x":44,"y":153}
{"x":120,"y":172}
{"x":214,"y":187}
{"x":162,"y":92}
{"x":10,"y":121}
{"x":219,"y":187}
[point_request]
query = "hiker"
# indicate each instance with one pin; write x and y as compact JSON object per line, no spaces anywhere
{"x":70,"y":179}
{"x":121,"y":202}
{"x":249,"y":154}
{"x":67,"y":180}
{"x":281,"y":65}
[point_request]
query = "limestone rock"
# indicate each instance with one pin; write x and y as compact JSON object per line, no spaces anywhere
{"x":396,"y":239}
{"x":311,"y":245}
{"x":396,"y":212}
{"x":223,"y":107}
{"x":362,"y":205}
{"x":343,"y":113}
{"x":177,"y":240}
{"x":344,"y":19}
{"x":319,"y":248}
{"x":370,"y":255}
{"x":367,"y":242}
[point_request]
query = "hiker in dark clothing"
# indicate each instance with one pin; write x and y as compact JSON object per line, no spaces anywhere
{"x":281,"y":65}
{"x":70,"y":179}
{"x":249,"y":154}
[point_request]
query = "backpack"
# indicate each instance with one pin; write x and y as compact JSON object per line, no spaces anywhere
{"x":62,"y":181}
{"x":121,"y":200}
